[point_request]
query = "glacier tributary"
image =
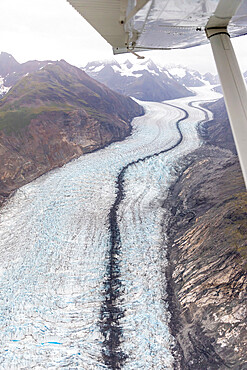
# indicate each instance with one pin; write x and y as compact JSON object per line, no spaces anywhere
{"x":55,"y":241}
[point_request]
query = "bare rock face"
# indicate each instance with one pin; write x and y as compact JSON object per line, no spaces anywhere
{"x":208,"y":259}
{"x":53,"y":115}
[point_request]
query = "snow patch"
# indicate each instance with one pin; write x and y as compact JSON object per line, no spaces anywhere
{"x":98,"y":69}
{"x":45,"y":65}
{"x":178,"y":71}
{"x":125,"y":71}
{"x":3,"y":89}
{"x":168,"y":74}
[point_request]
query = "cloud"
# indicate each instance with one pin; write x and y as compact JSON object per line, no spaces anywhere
{"x":47,"y":29}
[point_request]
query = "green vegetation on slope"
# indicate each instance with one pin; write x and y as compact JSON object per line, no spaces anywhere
{"x":13,"y":121}
{"x":64,"y":88}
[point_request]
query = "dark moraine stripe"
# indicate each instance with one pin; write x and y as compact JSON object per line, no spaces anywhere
{"x":111,"y":312}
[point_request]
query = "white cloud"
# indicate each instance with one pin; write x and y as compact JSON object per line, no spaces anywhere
{"x":47,"y":29}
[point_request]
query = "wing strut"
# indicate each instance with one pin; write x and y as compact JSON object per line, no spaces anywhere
{"x":234,"y":90}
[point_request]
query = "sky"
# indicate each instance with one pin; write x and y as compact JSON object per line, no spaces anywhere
{"x":53,"y":30}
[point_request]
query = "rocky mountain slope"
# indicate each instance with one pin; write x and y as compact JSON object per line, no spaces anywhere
{"x":52,"y":115}
{"x":208,"y":253}
{"x":144,"y":81}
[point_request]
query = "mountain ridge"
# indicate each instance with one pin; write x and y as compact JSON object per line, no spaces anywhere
{"x":144,"y":81}
{"x":148,"y":81}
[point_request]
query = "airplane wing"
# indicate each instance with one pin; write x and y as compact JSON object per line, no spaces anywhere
{"x":158,"y":24}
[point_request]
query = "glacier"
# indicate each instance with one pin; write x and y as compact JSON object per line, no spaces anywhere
{"x":55,"y":240}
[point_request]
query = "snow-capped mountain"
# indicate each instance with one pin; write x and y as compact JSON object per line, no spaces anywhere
{"x":212,"y":79}
{"x":144,"y":81}
{"x":192,"y":78}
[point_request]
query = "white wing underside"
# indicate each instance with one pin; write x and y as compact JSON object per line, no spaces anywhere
{"x":161,"y":24}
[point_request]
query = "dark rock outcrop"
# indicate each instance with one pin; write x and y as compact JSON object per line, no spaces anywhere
{"x":207,"y":274}
{"x":53,"y":115}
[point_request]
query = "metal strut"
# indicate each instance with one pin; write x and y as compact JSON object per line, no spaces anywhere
{"x":234,"y":90}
